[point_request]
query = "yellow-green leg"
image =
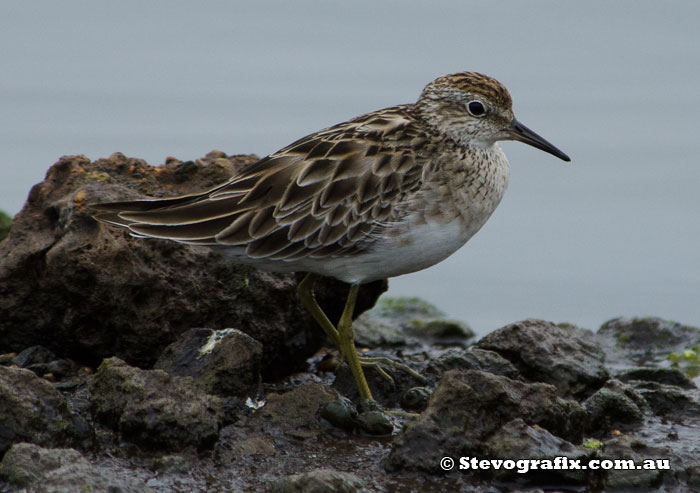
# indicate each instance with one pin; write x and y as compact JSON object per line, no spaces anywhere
{"x":347,"y":343}
{"x":305,"y":291}
{"x":343,"y":336}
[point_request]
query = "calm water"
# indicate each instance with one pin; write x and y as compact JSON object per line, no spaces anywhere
{"x":613,"y":84}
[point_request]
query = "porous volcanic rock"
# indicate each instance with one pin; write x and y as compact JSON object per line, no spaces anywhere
{"x":88,"y":291}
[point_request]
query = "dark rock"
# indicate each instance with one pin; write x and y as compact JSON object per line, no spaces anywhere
{"x":31,"y":410}
{"x":669,"y":401}
{"x":668,"y":376}
{"x":517,"y":439}
{"x":641,"y":341}
{"x":87,"y":291}
{"x":468,"y":407}
{"x":296,"y":412}
{"x":33,"y":355}
{"x":373,"y":420}
{"x":415,"y":399}
{"x":319,"y":481}
{"x":614,"y":405}
{"x":471,"y":358}
{"x":225,"y":362}
{"x":153,"y":409}
{"x":566,"y":357}
{"x":626,"y":448}
{"x":341,"y":413}
{"x":42,"y":362}
{"x":59,"y":470}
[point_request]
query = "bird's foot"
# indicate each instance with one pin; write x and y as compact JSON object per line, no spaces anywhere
{"x":377,"y":362}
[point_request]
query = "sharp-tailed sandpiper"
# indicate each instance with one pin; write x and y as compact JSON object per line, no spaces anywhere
{"x":384,"y":194}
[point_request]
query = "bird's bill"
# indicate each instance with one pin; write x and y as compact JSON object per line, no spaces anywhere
{"x":518,"y":131}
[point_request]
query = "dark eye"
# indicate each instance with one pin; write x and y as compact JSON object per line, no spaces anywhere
{"x":476,"y":108}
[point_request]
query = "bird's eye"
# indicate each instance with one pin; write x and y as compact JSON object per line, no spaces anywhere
{"x":476,"y":108}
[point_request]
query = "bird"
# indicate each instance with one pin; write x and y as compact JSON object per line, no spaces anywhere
{"x":387,"y":193}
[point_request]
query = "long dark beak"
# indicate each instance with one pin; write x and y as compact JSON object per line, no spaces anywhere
{"x":518,"y":131}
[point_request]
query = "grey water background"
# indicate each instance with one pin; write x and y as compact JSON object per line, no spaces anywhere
{"x":616,"y":85}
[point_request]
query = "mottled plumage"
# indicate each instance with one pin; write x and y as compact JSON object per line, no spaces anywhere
{"x":384,"y":194}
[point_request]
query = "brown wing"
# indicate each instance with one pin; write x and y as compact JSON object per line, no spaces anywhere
{"x":323,"y":195}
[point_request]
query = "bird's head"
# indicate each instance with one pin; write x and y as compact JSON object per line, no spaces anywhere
{"x":476,"y":110}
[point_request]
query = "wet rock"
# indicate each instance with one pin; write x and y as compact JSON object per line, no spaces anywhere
{"x":32,"y":356}
{"x":670,"y":401}
{"x":626,"y":448}
{"x":416,"y":399}
{"x":225,"y":362}
{"x":668,"y":376}
{"x":87,"y":291}
{"x":640,"y":341}
{"x":42,"y":362}
{"x":40,"y":469}
{"x":296,"y":412}
{"x":614,"y":405}
{"x":153,"y":409}
{"x":31,"y":410}
{"x":341,"y":413}
{"x":319,"y":481}
{"x":373,"y":419}
{"x":468,"y":407}
{"x":471,"y":358}
{"x":566,"y":357}
{"x":517,"y":439}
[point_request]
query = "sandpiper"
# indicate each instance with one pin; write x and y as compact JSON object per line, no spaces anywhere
{"x":387,"y":193}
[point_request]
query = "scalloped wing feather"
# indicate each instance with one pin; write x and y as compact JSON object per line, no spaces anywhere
{"x":323,"y":195}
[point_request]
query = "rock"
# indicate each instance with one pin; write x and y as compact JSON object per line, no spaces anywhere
{"x":670,"y":401}
{"x":26,"y":463}
{"x":416,"y":399}
{"x":341,"y":413}
{"x":625,"y":448}
{"x":153,"y":409}
{"x":31,"y":410}
{"x":668,"y":376}
{"x":395,"y":321}
{"x":5,"y":225}
{"x":42,"y":362}
{"x":614,"y":405}
{"x":225,"y":362}
{"x":87,"y":291}
{"x":641,"y":341}
{"x":468,"y":407}
{"x":372,"y":332}
{"x":471,"y":358}
{"x":297,"y":412}
{"x":566,"y":357}
{"x":32,"y":356}
{"x":517,"y":439}
{"x":319,"y":481}
{"x":58,"y":470}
